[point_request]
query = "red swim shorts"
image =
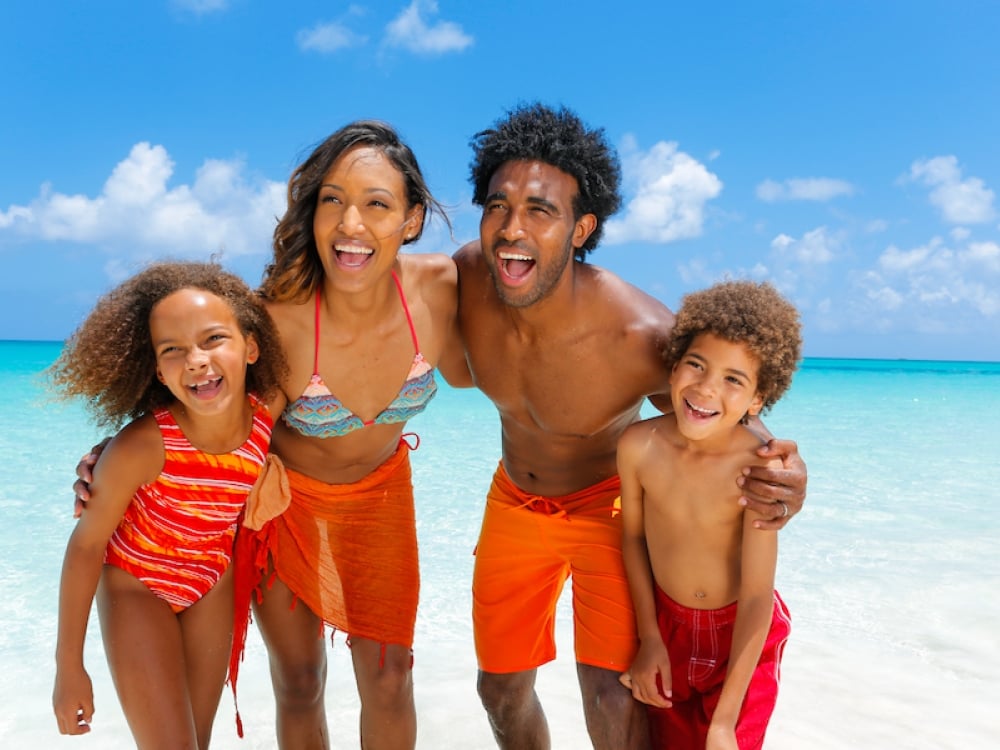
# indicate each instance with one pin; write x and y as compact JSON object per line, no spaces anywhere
{"x":699,"y":642}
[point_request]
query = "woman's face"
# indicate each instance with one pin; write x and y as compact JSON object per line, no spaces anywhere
{"x":362,"y":217}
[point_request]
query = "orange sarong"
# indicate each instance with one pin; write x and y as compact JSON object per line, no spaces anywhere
{"x":347,"y":551}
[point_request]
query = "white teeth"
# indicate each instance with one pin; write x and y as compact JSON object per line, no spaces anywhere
{"x":353,"y":249}
{"x":514,"y":256}
{"x":706,"y":412}
{"x":205,"y":384}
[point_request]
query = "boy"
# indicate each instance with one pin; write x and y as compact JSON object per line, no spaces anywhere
{"x":712,"y":628}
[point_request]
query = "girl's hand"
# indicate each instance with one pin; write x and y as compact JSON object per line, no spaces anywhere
{"x":73,"y":701}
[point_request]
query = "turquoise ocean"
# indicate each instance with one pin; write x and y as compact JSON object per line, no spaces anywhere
{"x":892,"y":571}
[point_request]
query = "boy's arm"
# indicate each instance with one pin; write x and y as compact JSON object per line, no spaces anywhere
{"x":775,"y":490}
{"x":753,"y":620}
{"x":124,"y":465}
{"x":652,"y":659}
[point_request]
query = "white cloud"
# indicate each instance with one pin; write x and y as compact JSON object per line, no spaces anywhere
{"x":14,"y":214}
{"x":983,"y":255}
{"x":671,"y":190}
{"x":803,"y":189}
{"x":961,"y":201}
{"x":900,"y":261}
{"x":328,"y":37}
{"x":928,"y":280}
{"x":411,"y":32}
{"x":201,"y":7}
{"x":137,"y":212}
{"x":817,"y":247}
{"x":886,"y":298}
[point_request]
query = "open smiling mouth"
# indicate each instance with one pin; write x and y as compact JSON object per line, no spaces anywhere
{"x":353,"y":256}
{"x":698,"y":411}
{"x":515,"y":265}
{"x":209,"y":386}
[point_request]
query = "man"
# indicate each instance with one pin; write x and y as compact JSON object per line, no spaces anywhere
{"x":568,"y":353}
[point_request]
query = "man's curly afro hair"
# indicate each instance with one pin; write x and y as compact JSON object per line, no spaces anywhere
{"x":534,"y":132}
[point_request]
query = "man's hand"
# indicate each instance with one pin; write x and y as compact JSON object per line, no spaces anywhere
{"x":85,"y":475}
{"x":776,"y":494}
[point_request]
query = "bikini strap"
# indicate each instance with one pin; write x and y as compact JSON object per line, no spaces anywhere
{"x":316,"y":326}
{"x":406,"y":309}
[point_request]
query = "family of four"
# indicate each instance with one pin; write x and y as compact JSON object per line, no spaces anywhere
{"x":670,"y":520}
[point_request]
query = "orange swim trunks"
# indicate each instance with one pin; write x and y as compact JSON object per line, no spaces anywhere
{"x":529,"y":545}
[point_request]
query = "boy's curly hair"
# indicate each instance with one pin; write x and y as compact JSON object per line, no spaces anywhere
{"x":748,"y":313}
{"x":558,"y":137}
{"x":110,"y":362}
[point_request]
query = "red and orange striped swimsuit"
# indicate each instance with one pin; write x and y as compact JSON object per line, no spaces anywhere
{"x":177,"y":533}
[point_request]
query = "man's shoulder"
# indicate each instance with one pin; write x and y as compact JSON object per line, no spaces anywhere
{"x":468,"y":254}
{"x":437,"y":266}
{"x":630,"y":300}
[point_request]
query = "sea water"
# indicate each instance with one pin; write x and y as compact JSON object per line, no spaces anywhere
{"x":892,"y":571}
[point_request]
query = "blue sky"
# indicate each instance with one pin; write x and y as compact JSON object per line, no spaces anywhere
{"x":846,"y":151}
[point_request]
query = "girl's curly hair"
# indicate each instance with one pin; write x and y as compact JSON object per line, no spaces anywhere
{"x":110,"y":362}
{"x":558,"y":137}
{"x":748,"y":313}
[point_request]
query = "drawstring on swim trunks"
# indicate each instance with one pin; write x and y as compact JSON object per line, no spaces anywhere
{"x":546,"y":505}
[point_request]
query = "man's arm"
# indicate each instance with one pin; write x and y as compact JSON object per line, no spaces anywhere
{"x":453,"y":365}
{"x":777,"y":491}
{"x":85,"y":475}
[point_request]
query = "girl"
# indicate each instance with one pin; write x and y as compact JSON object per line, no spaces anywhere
{"x":187,"y":353}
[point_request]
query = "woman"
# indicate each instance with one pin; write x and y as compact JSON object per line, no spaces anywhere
{"x":362,"y":327}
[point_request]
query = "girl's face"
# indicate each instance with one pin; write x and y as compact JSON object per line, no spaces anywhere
{"x":201,"y":353}
{"x":362,"y":217}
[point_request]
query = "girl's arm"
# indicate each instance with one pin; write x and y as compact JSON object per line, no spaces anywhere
{"x":753,"y":620}
{"x":652,"y":659}
{"x":132,"y":458}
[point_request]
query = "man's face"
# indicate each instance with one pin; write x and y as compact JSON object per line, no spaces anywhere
{"x":528,"y":232}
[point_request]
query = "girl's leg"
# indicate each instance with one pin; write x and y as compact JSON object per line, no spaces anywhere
{"x":296,"y":650}
{"x":385,"y":684}
{"x":207,"y":633}
{"x":145,"y":652}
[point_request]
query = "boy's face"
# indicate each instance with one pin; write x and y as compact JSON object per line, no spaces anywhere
{"x":713,"y":386}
